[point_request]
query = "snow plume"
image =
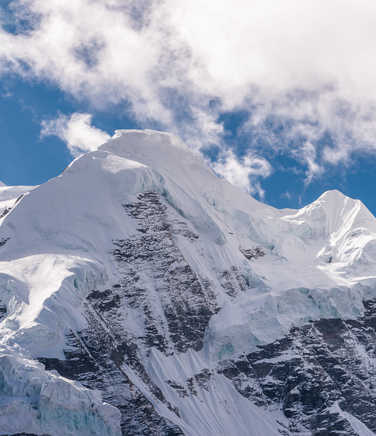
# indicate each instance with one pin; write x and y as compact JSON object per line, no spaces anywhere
{"x":244,"y":173}
{"x":76,"y":131}
{"x":181,"y":64}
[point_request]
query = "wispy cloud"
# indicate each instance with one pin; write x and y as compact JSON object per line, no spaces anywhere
{"x":245,"y":172}
{"x":76,"y":131}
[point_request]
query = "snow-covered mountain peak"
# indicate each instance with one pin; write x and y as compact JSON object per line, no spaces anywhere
{"x":165,"y":153}
{"x":154,"y":138}
{"x":335,"y":203}
{"x":151,"y":147}
{"x":331,"y":212}
{"x":340,"y":234}
{"x":139,"y":264}
{"x":332,"y":195}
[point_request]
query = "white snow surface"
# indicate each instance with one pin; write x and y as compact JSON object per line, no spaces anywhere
{"x":9,"y":196}
{"x":318,"y":263}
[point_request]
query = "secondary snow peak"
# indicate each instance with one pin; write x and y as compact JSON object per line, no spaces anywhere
{"x":332,"y":194}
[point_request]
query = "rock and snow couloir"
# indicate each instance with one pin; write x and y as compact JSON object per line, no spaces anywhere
{"x":142,"y":294}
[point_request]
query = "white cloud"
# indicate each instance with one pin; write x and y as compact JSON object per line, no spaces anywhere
{"x":308,"y":62}
{"x":243,"y":173}
{"x":76,"y":131}
{"x":313,"y":168}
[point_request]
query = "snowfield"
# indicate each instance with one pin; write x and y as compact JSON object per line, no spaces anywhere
{"x":57,"y":245}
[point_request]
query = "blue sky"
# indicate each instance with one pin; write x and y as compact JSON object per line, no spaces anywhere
{"x":28,"y":157}
{"x":282,"y":119}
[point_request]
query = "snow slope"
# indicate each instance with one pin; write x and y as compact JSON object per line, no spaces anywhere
{"x":9,"y":196}
{"x":267,"y":269}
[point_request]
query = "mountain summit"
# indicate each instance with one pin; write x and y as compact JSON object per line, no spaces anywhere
{"x":141,"y":294}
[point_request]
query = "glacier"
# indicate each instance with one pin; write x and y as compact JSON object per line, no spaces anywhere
{"x":142,"y":294}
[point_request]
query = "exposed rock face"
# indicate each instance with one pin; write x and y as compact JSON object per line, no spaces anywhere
{"x":4,"y":212}
{"x":317,"y":367}
{"x":187,"y":301}
{"x":3,"y":241}
{"x":252,"y":253}
{"x":98,"y":355}
{"x":3,"y":310}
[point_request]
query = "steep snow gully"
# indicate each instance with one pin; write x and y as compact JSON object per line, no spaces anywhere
{"x":140,"y":294}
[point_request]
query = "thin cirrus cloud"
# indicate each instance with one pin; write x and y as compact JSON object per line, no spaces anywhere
{"x":308,"y":64}
{"x":244,"y":173}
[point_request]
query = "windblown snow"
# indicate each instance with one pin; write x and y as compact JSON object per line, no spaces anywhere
{"x":56,"y":246}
